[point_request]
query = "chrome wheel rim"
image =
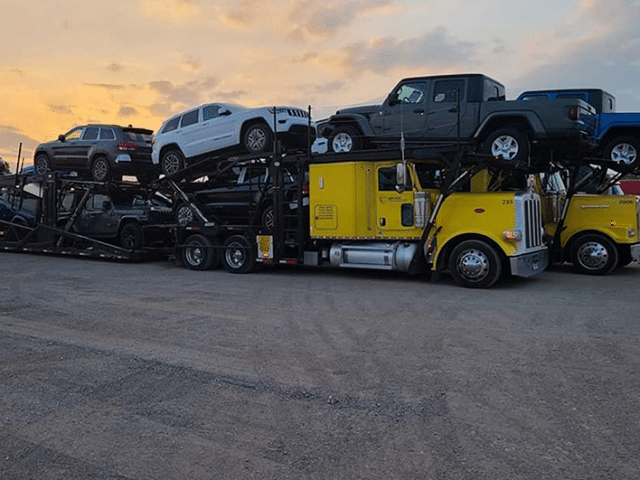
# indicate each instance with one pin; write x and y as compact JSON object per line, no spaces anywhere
{"x":505,"y":146}
{"x":342,"y":143}
{"x":99,"y":170}
{"x":41,"y":165}
{"x":256,"y":140}
{"x":624,"y":153}
{"x":269,"y":218}
{"x":185,"y":215}
{"x":195,"y":254}
{"x":235,"y":255}
{"x":593,"y":256}
{"x":171,"y":163}
{"x":473,"y":265}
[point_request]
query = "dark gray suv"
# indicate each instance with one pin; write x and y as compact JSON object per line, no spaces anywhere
{"x":100,"y":152}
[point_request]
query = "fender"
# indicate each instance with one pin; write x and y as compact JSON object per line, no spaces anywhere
{"x":506,"y":117}
{"x":334,"y":120}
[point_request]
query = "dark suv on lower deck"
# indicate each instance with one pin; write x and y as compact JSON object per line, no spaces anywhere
{"x":100,"y":152}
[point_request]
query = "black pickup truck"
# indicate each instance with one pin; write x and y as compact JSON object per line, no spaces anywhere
{"x":469,"y":108}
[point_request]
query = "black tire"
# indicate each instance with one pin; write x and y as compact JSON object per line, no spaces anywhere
{"x":172,"y":161}
{"x":238,"y":255}
{"x":131,"y":236}
{"x":41,"y":164}
{"x":146,"y":178}
{"x":268,"y":218}
{"x":594,"y":255}
{"x":508,"y":144}
{"x":200,"y":253}
{"x":184,"y":215}
{"x":475,"y":264}
{"x":345,"y":139}
{"x":101,"y":170}
{"x":623,"y":152}
{"x":258,"y":138}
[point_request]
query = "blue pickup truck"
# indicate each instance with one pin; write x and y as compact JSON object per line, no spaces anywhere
{"x":615,"y":135}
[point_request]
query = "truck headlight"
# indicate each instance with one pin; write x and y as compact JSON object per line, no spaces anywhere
{"x":631,"y":232}
{"x":512,"y":235}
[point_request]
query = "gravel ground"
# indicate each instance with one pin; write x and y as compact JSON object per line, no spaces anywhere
{"x":151,"y":371}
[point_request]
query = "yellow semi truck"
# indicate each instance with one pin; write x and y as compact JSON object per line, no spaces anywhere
{"x":596,"y":232}
{"x":372,"y":210}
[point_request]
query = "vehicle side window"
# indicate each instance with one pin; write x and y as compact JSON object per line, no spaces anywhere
{"x":411,"y":92}
{"x":90,"y":133}
{"x":107,"y":134}
{"x":491,"y":92}
{"x":190,"y":118}
{"x":171,"y":125}
{"x":445,"y":91}
{"x":73,"y":135}
{"x":387,"y":179}
{"x":96,"y":202}
{"x":209,"y":112}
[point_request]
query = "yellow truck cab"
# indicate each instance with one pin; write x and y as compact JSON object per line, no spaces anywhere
{"x":595,"y":232}
{"x":391,"y":215}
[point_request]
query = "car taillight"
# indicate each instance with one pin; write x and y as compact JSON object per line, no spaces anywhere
{"x":127,"y":146}
{"x":574,"y":113}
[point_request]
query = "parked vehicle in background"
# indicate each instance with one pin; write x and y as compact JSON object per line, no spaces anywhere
{"x":214,"y":127}
{"x":602,"y":101}
{"x":241,"y":194}
{"x":467,"y":107}
{"x":124,"y":216}
{"x":100,"y":152}
{"x":4,"y":167}
{"x":19,"y":210}
{"x":615,"y":136}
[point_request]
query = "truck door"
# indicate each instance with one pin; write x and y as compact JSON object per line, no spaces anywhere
{"x":442,"y":117}
{"x":394,"y":210}
{"x":408,"y":115}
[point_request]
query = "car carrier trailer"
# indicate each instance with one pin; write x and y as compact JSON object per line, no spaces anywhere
{"x":369,"y":210}
{"x":48,"y":223}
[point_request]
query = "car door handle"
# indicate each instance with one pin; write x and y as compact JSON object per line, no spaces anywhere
{"x":418,"y":110}
{"x":453,"y":110}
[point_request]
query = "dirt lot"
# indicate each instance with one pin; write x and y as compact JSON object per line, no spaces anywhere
{"x":150,"y":371}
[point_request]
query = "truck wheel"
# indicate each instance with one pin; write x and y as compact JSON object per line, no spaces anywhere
{"x":172,"y":161}
{"x":41,"y":164}
{"x":508,"y":144}
{"x":257,"y":138}
{"x":475,"y":264}
{"x":200,"y":253}
{"x":594,"y":255}
{"x":101,"y":170}
{"x":345,"y":139}
{"x":131,"y":236}
{"x":239,"y":256}
{"x":623,"y":151}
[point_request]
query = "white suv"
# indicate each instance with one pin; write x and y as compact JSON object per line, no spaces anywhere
{"x":210,"y":128}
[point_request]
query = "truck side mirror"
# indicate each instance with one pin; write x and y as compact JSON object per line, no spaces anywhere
{"x":401,"y":178}
{"x":392,"y":99}
{"x":61,"y":138}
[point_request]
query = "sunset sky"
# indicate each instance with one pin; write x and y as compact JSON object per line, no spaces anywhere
{"x":138,"y":61}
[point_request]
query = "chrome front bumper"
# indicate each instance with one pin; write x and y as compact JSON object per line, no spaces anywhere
{"x":530,"y":263}
{"x":635,"y":252}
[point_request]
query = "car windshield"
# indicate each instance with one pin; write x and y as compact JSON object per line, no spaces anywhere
{"x":137,"y":135}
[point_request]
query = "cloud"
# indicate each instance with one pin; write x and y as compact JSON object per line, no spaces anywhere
{"x":189,"y":93}
{"x":63,"y":109}
{"x":310,"y":18}
{"x":191,"y":64}
{"x":174,"y":11}
{"x":127,"y":111}
{"x":108,"y":86}
{"x":606,"y":58}
{"x":115,"y":67}
{"x":245,"y":13}
{"x":10,"y":138}
{"x":433,"y":49}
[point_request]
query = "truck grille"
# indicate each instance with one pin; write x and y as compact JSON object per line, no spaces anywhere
{"x":160,"y":217}
{"x":532,"y":222}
